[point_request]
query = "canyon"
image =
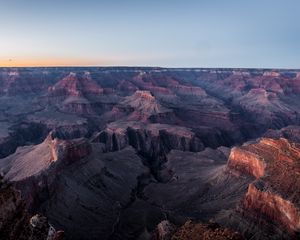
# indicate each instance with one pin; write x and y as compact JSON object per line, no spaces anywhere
{"x":149,"y":153}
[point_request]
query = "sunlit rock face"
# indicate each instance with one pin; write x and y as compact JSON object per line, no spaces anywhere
{"x":247,"y":162}
{"x":274,"y":206}
{"x":275,"y":163}
{"x":32,"y":161}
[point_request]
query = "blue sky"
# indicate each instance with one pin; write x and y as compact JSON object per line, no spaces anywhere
{"x":168,"y":33}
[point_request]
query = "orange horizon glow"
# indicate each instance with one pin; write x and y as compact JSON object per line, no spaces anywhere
{"x":53,"y":62}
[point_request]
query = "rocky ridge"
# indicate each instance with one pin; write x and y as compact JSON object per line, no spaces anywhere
{"x":274,"y":163}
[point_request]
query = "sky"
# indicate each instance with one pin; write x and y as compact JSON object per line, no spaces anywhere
{"x":166,"y":33}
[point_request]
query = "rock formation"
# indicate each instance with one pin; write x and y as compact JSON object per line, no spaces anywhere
{"x":151,"y":139}
{"x":142,"y":105}
{"x":15,"y":221}
{"x":73,"y":93}
{"x":274,"y":194}
{"x":112,"y":152}
{"x":192,"y":230}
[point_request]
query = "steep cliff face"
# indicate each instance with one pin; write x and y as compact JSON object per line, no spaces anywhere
{"x":37,"y":159}
{"x":151,"y":140}
{"x":88,"y":197}
{"x":68,"y":151}
{"x":247,"y":162}
{"x":33,"y":169}
{"x":275,"y":193}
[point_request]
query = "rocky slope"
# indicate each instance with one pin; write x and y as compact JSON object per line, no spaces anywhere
{"x":274,"y":194}
{"x":212,"y":231}
{"x":191,"y":230}
{"x":45,"y":173}
{"x":15,"y":221}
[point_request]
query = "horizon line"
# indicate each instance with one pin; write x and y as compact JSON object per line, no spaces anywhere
{"x":144,"y":66}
